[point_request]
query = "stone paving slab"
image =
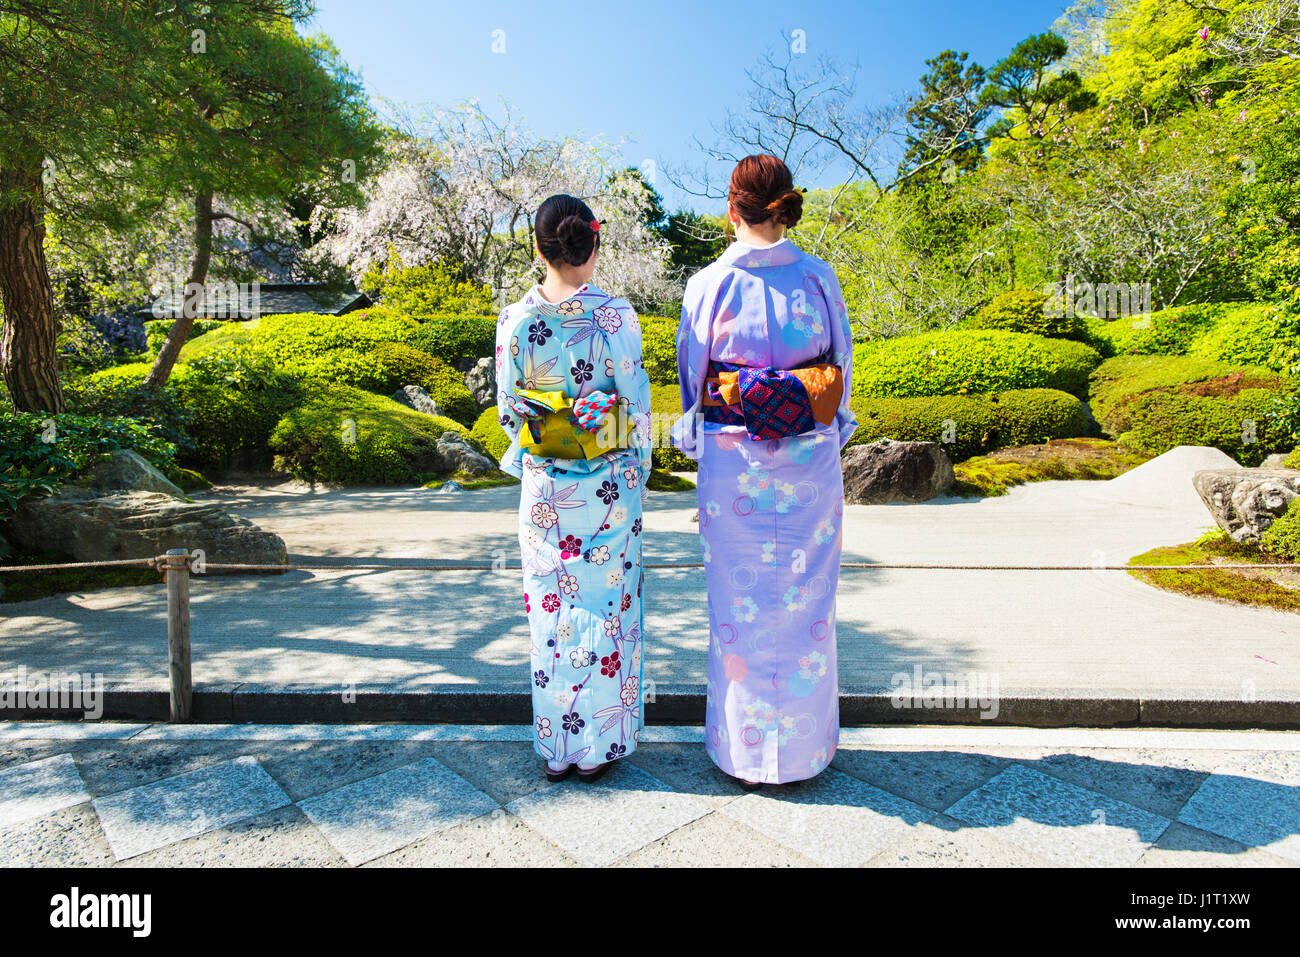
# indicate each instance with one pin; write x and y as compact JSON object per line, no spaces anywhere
{"x":204,"y":796}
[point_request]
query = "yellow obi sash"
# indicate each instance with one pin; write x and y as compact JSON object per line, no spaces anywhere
{"x":555,"y":434}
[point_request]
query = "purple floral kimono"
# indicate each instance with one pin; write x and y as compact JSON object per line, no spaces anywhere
{"x":579,"y":523}
{"x":770,"y":511}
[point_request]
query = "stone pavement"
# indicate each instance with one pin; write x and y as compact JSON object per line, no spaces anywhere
{"x":396,"y":795}
{"x":1099,"y":634}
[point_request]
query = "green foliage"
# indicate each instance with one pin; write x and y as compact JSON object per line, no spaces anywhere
{"x":40,"y":452}
{"x":1282,"y":538}
{"x":155,"y":331}
{"x":967,"y":425}
{"x":345,"y":435}
{"x":488,"y":433}
{"x":1237,"y":424}
{"x":399,"y":364}
{"x":1059,"y":459}
{"x":659,"y":348}
{"x":970,"y":361}
{"x":432,"y":289}
{"x":1257,"y":335}
{"x":219,"y":408}
{"x":1117,"y":383}
{"x":1166,"y":332}
{"x":1026,"y":310}
{"x":117,"y":391}
{"x":457,"y":339}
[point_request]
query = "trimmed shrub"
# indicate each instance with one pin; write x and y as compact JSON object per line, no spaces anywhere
{"x":1026,"y":310}
{"x":1258,"y":335}
{"x":967,"y":425}
{"x":398,"y":364}
{"x":40,"y":451}
{"x":488,"y":433}
{"x":659,"y":349}
{"x":1282,"y":538}
{"x":1237,"y":424}
{"x":456,"y":339}
{"x":1031,"y":416}
{"x":1169,"y":332}
{"x":345,"y":435}
{"x":1118,"y":382}
{"x":1292,"y":461}
{"x":426,"y":290}
{"x":961,"y":362}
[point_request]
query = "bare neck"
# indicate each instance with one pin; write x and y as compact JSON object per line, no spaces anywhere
{"x":760,"y":234}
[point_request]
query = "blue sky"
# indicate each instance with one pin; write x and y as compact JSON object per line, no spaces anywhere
{"x":653,"y":74}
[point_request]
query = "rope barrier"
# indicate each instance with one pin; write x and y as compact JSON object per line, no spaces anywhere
{"x":160,"y":563}
{"x":179,"y":565}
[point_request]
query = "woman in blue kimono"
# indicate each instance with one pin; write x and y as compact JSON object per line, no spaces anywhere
{"x":764,"y":359}
{"x":574,"y":397}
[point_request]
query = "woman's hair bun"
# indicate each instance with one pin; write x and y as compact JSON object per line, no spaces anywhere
{"x":564,"y":230}
{"x":762,"y":188}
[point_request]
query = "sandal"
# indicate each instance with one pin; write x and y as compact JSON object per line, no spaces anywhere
{"x":554,"y":775}
{"x":588,"y":775}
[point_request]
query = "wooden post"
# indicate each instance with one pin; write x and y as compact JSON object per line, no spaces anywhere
{"x":178,"y":633}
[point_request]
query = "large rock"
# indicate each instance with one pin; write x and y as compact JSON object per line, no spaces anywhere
{"x":457,"y":455}
{"x":1245,"y":502}
{"x":890,"y":471}
{"x":482,"y":383}
{"x":92,"y":527}
{"x":414,"y":397}
{"x":127,"y":471}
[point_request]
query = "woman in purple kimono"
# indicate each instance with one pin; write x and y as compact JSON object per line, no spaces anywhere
{"x":764,"y":358}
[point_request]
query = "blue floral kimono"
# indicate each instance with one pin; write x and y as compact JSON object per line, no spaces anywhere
{"x":579,"y":521}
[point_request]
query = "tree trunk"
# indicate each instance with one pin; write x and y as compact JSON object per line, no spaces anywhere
{"x":193,"y":297}
{"x":28,"y":354}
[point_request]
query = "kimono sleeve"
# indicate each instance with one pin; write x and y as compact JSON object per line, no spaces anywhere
{"x":841,"y":351}
{"x":692,"y":363}
{"x":632,"y":382}
{"x":509,"y":403}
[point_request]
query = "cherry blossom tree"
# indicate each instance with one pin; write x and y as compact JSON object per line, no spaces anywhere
{"x":461,"y":187}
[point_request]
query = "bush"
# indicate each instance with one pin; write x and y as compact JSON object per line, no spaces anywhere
{"x":967,"y":425}
{"x":488,"y":433}
{"x":218,"y":409}
{"x":426,"y":290}
{"x":1118,"y":382}
{"x":1026,"y":310}
{"x":40,"y":451}
{"x":965,"y":362}
{"x":1168,"y":332}
{"x":1237,"y":424}
{"x":659,"y":349}
{"x":1257,"y":335}
{"x":1282,"y":538}
{"x":398,"y":364}
{"x":344,"y":435}
{"x":155,"y":331}
{"x":456,"y":339}
{"x":117,"y":392}
{"x":665,"y":407}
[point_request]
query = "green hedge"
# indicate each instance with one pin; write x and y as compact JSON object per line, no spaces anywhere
{"x":962,"y":362}
{"x":1026,"y":310}
{"x":345,"y":435}
{"x":41,"y":451}
{"x":155,"y":331}
{"x":968,"y":425}
{"x":1282,"y":538}
{"x":459,"y":340}
{"x":1159,"y":421}
{"x":399,"y":364}
{"x":219,"y":409}
{"x":1117,"y":383}
{"x":1168,"y":332}
{"x":488,"y":433}
{"x":659,"y":349}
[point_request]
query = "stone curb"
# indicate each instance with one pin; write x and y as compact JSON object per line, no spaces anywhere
{"x":259,"y":704}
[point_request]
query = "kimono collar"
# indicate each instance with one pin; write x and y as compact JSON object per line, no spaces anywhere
{"x":780,"y":253}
